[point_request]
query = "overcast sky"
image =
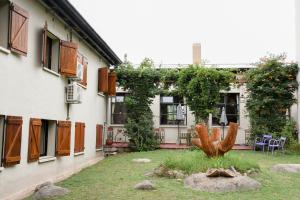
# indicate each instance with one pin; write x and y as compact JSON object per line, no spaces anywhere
{"x":230,"y":31}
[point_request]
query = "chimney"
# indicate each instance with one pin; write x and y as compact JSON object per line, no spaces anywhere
{"x":197,"y":54}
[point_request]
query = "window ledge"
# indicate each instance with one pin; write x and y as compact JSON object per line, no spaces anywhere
{"x":51,"y":72}
{"x":83,"y":86}
{"x":173,"y":126}
{"x":46,"y":159}
{"x":100,"y":149}
{"x":79,"y":153}
{"x":117,"y":125}
{"x":5,"y":50}
{"x":1,"y":169}
{"x":101,"y":94}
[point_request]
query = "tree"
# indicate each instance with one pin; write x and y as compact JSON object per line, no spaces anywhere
{"x":271,"y":88}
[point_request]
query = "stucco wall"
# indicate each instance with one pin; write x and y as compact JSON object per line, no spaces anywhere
{"x":29,"y":91}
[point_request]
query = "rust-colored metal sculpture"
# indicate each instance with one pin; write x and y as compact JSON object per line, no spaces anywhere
{"x":212,"y":144}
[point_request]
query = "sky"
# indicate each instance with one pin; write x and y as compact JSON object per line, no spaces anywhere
{"x":230,"y":31}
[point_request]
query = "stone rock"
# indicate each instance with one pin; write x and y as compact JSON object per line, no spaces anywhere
{"x":145,"y":185}
{"x":287,"y":168}
{"x":163,"y":172}
{"x":149,"y":173}
{"x":48,"y":190}
{"x":220,"y":184}
{"x":141,"y":160}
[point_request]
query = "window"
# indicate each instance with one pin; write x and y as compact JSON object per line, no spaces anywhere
{"x":51,"y":52}
{"x":168,"y":110}
{"x":230,"y":101}
{"x":118,"y":109}
{"x":47,"y":138}
{"x":13,"y":27}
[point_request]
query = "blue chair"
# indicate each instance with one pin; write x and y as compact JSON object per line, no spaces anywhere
{"x":262,"y":141}
{"x":277,"y":144}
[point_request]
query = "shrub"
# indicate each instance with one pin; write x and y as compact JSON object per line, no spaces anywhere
{"x":196,"y":161}
{"x":271,"y":89}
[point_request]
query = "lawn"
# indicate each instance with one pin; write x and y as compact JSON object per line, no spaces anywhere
{"x":114,"y":178}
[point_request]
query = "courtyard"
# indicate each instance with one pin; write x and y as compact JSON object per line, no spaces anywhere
{"x":116,"y":176}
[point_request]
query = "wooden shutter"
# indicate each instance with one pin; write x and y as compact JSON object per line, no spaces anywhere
{"x":79,"y":137}
{"x":18,"y":30}
{"x":63,"y":138}
{"x":13,"y":137}
{"x":112,"y":83}
{"x":103,"y":80}
{"x":68,"y":58}
{"x":35,"y":127}
{"x":99,"y":135}
{"x":82,"y":137}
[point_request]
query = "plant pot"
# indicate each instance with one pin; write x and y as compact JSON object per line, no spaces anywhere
{"x":109,"y":142}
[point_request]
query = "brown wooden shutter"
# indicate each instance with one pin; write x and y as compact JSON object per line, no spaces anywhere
{"x":99,"y":135}
{"x":112,"y":78}
{"x":82,"y":137}
{"x":35,"y":127}
{"x":63,"y":138}
{"x":18,"y":30}
{"x":103,"y":80}
{"x":13,"y":137}
{"x":79,"y":137}
{"x":68,"y":58}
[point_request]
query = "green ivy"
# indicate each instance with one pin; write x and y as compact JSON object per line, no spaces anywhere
{"x":142,"y":83}
{"x":201,"y":87}
{"x":271,"y":88}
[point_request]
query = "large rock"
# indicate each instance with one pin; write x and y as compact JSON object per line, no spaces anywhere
{"x":141,"y":160}
{"x":164,"y":172}
{"x":48,"y":190}
{"x":201,"y":182}
{"x":286,"y":168}
{"x":145,"y":185}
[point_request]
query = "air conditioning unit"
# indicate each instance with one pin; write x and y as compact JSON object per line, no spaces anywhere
{"x":73,"y":93}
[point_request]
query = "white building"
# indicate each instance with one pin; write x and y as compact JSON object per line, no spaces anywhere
{"x":42,"y":138}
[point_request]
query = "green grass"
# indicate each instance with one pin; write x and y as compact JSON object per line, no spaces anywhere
{"x":196,"y":161}
{"x":114,"y":179}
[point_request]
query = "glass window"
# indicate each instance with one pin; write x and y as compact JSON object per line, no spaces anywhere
{"x":230,"y":101}
{"x":168,"y":110}
{"x":118,"y":109}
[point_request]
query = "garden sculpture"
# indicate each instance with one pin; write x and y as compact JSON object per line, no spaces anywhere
{"x":212,"y":144}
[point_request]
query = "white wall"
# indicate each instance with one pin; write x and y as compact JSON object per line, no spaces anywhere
{"x":171,"y":131}
{"x":31,"y":92}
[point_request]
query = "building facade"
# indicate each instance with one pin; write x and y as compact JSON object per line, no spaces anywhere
{"x":46,"y":46}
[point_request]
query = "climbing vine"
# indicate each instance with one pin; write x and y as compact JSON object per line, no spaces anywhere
{"x":271,"y":88}
{"x":142,"y":83}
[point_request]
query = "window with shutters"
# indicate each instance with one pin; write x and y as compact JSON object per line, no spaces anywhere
{"x":79,"y":137}
{"x":47,"y":138}
{"x":103,"y":80}
{"x":50,"y":51}
{"x":63,"y":139}
{"x":2,"y":125}
{"x":4,"y":16}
